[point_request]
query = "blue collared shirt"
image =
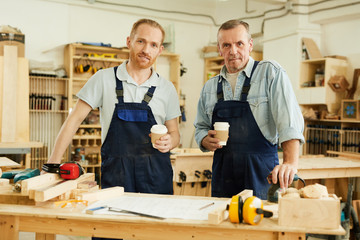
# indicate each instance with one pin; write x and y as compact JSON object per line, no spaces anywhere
{"x":271,"y":98}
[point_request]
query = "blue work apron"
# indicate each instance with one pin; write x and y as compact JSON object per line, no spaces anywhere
{"x":128,"y":158}
{"x":248,"y":157}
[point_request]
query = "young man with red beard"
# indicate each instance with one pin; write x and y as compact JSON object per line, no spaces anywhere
{"x":131,"y":97}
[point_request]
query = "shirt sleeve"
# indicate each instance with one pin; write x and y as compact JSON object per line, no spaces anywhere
{"x":202,"y":122}
{"x":91,"y":92}
{"x":285,"y":108}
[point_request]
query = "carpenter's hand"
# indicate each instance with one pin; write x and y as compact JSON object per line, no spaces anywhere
{"x":163,"y":144}
{"x":285,"y":173}
{"x":209,"y":142}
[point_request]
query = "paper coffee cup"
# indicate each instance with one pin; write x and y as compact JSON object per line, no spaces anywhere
{"x":157,"y":131}
{"x":222,"y":132}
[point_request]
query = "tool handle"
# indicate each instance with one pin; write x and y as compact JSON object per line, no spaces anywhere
{"x":266,"y":213}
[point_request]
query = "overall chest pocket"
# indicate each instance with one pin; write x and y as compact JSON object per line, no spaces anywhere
{"x":133,"y":115}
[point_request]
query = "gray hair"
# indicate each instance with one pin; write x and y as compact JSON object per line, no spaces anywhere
{"x":233,"y":24}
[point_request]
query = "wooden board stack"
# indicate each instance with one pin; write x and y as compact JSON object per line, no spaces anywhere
{"x":50,"y":186}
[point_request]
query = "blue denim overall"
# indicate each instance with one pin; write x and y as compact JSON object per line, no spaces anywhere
{"x":248,"y":156}
{"x":128,"y":158}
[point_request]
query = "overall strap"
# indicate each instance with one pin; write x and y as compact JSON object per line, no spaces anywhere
{"x":119,"y":88}
{"x":219,"y":92}
{"x":148,"y":96}
{"x":247,"y":85}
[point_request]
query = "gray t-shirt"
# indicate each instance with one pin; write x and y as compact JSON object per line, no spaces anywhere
{"x":99,"y":92}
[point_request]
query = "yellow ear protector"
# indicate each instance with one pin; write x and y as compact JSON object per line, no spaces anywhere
{"x":249,"y":211}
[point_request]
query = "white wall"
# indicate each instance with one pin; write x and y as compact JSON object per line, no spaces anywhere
{"x":48,"y":24}
{"x":343,"y":38}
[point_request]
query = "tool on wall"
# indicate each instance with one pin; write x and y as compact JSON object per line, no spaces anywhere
{"x":273,"y":192}
{"x":68,"y":170}
{"x":248,"y":211}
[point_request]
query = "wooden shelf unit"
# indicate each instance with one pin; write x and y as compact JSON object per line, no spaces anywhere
{"x":334,"y":135}
{"x":48,"y":110}
{"x":86,"y":148}
{"x":321,"y":94}
{"x":75,"y":55}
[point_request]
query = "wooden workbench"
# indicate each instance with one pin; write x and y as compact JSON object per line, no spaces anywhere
{"x":330,"y":171}
{"x":328,"y":167}
{"x":47,"y":222}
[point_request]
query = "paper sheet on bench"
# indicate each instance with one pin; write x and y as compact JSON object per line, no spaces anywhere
{"x":163,"y":207}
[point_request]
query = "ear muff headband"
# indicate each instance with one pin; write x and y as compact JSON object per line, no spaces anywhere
{"x":234,"y":209}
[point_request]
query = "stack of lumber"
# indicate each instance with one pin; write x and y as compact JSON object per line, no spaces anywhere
{"x":51,"y":186}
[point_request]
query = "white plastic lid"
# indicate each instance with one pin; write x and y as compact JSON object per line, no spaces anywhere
{"x":221,"y":125}
{"x":159,"y":129}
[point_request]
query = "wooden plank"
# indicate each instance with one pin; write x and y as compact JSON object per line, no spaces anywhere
{"x":1,"y":91}
{"x":40,"y":181}
{"x":6,"y":162}
{"x":345,"y":154}
{"x":9,"y":227}
{"x":102,"y":194}
{"x":22,"y":102}
{"x":57,"y":190}
{"x":61,"y":188}
{"x":4,"y":182}
{"x":17,"y":145}
{"x":10,"y":76}
{"x":11,"y":197}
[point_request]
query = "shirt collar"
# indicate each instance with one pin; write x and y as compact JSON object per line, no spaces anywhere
{"x":123,"y":75}
{"x":247,"y":70}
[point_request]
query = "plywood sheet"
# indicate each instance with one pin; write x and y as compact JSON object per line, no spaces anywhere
{"x":10,"y":76}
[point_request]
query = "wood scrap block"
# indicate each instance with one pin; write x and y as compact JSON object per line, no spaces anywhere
{"x":6,"y":188}
{"x":86,"y":177}
{"x":86,"y":184}
{"x":314,"y":191}
{"x":103,"y":194}
{"x":4,"y":182}
{"x":310,"y":213}
{"x":75,"y":193}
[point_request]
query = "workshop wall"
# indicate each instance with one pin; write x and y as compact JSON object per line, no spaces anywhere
{"x":50,"y":24}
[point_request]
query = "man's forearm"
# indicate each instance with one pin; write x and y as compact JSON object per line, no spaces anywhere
{"x":291,"y":152}
{"x":68,"y":130}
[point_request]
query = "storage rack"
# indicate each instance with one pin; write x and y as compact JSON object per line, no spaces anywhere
{"x":48,"y":111}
